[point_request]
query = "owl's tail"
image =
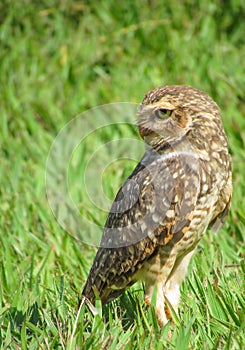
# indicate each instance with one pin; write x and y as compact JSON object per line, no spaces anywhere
{"x":92,"y":292}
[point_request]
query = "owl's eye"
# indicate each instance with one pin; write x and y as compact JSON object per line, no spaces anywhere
{"x":162,"y":113}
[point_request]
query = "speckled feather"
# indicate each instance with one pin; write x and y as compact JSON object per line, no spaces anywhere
{"x":181,"y":186}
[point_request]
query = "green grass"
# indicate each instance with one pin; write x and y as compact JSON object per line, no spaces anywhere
{"x":59,"y":59}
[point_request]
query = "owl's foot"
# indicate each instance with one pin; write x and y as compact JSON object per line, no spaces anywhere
{"x":162,"y":319}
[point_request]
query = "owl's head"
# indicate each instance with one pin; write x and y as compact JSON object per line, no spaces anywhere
{"x":169,"y":113}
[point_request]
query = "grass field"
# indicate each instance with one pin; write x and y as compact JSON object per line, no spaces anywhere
{"x":59,"y":59}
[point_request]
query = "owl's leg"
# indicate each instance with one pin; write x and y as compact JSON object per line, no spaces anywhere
{"x":172,"y":286}
{"x":160,"y":301}
{"x":149,"y":288}
{"x":160,"y":306}
{"x":156,"y":275}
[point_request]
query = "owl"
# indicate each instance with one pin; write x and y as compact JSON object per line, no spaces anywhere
{"x":180,"y":188}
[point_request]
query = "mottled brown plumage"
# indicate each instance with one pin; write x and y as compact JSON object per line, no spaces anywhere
{"x":181,"y":187}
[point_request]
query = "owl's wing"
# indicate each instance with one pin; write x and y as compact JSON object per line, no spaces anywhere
{"x":153,"y":208}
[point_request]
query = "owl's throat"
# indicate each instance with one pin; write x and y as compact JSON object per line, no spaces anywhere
{"x":168,"y":143}
{"x":158,"y":144}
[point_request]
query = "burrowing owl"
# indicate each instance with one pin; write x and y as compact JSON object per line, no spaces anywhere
{"x":180,"y":188}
